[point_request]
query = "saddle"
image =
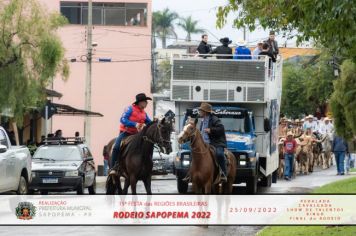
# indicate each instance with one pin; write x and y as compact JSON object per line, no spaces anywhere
{"x":212,"y":151}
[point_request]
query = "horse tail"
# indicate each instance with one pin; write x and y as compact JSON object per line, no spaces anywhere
{"x":113,"y":184}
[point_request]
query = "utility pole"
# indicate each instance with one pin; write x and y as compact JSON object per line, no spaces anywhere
{"x":245,"y":33}
{"x":87,"y":124}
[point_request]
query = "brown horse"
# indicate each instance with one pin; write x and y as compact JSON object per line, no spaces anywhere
{"x":135,"y":158}
{"x":204,"y":170}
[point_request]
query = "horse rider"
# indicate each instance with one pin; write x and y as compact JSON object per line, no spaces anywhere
{"x":213,"y":133}
{"x":327,"y":127}
{"x":310,"y":124}
{"x":133,"y":120}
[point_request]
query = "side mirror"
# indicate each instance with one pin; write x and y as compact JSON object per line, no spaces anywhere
{"x":3,"y":148}
{"x":88,"y":159}
{"x":267,"y":125}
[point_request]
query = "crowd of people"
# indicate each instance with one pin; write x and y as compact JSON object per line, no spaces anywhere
{"x":312,"y":141}
{"x":268,"y":48}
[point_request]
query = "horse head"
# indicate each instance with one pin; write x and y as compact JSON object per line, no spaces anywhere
{"x":188,"y":131}
{"x":159,"y":132}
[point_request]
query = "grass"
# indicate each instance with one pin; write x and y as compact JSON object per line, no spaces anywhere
{"x":308,"y":230}
{"x":342,"y":186}
{"x":353,"y":170}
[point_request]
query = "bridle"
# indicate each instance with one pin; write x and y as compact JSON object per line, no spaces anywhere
{"x":161,"y":141}
{"x":191,"y":138}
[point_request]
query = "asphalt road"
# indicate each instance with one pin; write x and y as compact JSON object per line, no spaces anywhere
{"x":167,"y":184}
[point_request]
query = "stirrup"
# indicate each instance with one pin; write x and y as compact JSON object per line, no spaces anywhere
{"x":187,"y":178}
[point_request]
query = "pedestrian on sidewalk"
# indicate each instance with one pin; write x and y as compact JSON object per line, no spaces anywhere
{"x":290,"y":146}
{"x":340,"y":148}
{"x":106,"y":160}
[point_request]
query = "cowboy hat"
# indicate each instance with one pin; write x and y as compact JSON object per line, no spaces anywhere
{"x":309,"y":117}
{"x":141,"y":97}
{"x":225,"y":40}
{"x":327,"y":118}
{"x":206,"y":107}
{"x":289,"y":133}
{"x":241,"y":43}
{"x":272,"y":32}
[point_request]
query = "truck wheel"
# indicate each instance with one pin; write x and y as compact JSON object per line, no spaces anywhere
{"x":80,"y":188}
{"x":266,"y":181}
{"x":251,"y":185}
{"x":23,"y":188}
{"x":92,"y":188}
{"x":182,"y":185}
{"x":274,"y":176}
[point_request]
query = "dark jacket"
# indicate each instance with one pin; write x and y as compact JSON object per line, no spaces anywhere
{"x":339,"y":145}
{"x":217,"y":132}
{"x":204,"y":48}
{"x":223,"y":49}
{"x":273,"y":47}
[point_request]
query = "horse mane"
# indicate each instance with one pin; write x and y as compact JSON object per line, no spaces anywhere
{"x":137,"y":139}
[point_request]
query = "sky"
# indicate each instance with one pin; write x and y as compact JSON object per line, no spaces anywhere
{"x":205,"y":12}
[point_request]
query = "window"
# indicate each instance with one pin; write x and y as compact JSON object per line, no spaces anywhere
{"x":3,"y":139}
{"x":58,"y":153}
{"x":123,"y":14}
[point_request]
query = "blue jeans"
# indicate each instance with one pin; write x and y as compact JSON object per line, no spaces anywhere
{"x":288,"y":167}
{"x":340,"y":159}
{"x":221,"y":158}
{"x":116,"y":149}
{"x":106,"y":167}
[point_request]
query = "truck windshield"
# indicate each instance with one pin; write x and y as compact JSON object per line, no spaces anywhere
{"x":232,"y":122}
{"x":58,"y":153}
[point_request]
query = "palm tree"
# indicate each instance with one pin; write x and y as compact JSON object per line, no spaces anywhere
{"x":163,"y":24}
{"x":190,"y":26}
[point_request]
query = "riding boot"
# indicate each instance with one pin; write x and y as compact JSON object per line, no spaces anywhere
{"x":223,"y":174}
{"x":114,"y":155}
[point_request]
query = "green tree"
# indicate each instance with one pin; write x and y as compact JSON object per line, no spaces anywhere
{"x":190,"y":26}
{"x":31,"y":54}
{"x":307,"y":85}
{"x":163,"y":24}
{"x":331,"y":24}
{"x":294,"y":95}
{"x":163,"y":76}
{"x":343,"y":101}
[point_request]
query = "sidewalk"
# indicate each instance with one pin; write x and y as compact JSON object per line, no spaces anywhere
{"x":100,"y":180}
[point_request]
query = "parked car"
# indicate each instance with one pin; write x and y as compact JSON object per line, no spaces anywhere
{"x":63,"y":165}
{"x":15,"y":166}
{"x":163,"y":163}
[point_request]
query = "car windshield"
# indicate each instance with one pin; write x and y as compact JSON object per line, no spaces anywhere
{"x":58,"y":153}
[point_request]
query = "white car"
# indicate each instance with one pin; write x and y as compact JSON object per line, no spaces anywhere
{"x":15,"y":166}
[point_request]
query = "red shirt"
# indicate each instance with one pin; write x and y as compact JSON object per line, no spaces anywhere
{"x":290,"y":146}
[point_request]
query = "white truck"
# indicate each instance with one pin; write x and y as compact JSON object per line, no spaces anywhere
{"x":246,"y":96}
{"x":15,"y":166}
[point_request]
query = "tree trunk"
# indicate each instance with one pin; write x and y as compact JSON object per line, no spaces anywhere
{"x":164,"y":41}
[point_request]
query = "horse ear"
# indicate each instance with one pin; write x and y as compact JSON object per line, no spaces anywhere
{"x":163,"y":120}
{"x":196,"y":121}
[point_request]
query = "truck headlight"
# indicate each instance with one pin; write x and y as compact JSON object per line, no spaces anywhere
{"x":72,"y":173}
{"x":242,"y":163}
{"x":33,"y":174}
{"x":185,"y":163}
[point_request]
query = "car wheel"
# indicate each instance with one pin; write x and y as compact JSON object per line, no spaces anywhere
{"x":44,"y":192}
{"x":182,"y":186}
{"x":80,"y":188}
{"x":92,"y":188}
{"x":23,"y":188}
{"x":251,"y":185}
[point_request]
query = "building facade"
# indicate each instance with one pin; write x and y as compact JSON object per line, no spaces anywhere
{"x":121,"y":65}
